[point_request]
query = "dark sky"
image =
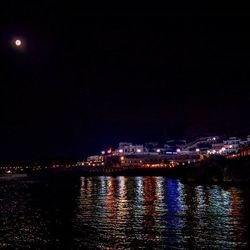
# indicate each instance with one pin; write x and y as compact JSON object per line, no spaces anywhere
{"x":92,"y":75}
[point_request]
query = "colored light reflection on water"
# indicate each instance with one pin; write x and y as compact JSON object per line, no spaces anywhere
{"x":156,"y":212}
{"x":123,"y":213}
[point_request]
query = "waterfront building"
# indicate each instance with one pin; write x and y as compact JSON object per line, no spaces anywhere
{"x":232,"y":145}
{"x":216,"y":148}
{"x":141,"y":160}
{"x":95,"y":160}
{"x":127,"y":148}
{"x":148,"y":160}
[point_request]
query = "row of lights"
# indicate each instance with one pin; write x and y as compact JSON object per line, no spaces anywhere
{"x":109,"y":151}
{"x":138,"y":150}
{"x":222,"y":150}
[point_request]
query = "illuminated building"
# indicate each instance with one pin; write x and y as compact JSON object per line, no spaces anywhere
{"x":127,"y":148}
{"x":248,"y":139}
{"x":232,"y":145}
{"x":95,"y":160}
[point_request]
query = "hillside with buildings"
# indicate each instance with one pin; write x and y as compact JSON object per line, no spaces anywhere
{"x":174,"y":152}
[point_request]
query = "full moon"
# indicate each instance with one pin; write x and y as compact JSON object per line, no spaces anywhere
{"x":18,"y":42}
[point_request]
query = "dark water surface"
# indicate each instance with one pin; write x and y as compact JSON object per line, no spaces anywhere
{"x":122,"y":213}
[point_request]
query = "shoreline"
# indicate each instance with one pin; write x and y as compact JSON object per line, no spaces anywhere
{"x":211,"y":171}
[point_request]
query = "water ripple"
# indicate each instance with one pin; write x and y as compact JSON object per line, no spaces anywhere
{"x":123,"y":213}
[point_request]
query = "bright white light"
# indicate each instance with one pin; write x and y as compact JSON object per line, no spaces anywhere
{"x":214,"y":138}
{"x":120,"y":150}
{"x":138,"y":150}
{"x":230,"y":146}
{"x":18,"y":42}
{"x":197,"y":150}
{"x":178,"y":150}
{"x":103,"y":152}
{"x":158,"y":150}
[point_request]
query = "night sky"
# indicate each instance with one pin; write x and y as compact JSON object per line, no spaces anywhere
{"x":91,"y":75}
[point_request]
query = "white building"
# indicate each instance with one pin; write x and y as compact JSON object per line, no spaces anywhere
{"x":216,"y":148}
{"x":248,"y":138}
{"x":95,"y":158}
{"x":127,"y":148}
{"x":232,"y":145}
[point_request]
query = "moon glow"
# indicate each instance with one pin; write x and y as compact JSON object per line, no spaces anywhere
{"x":18,"y":42}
